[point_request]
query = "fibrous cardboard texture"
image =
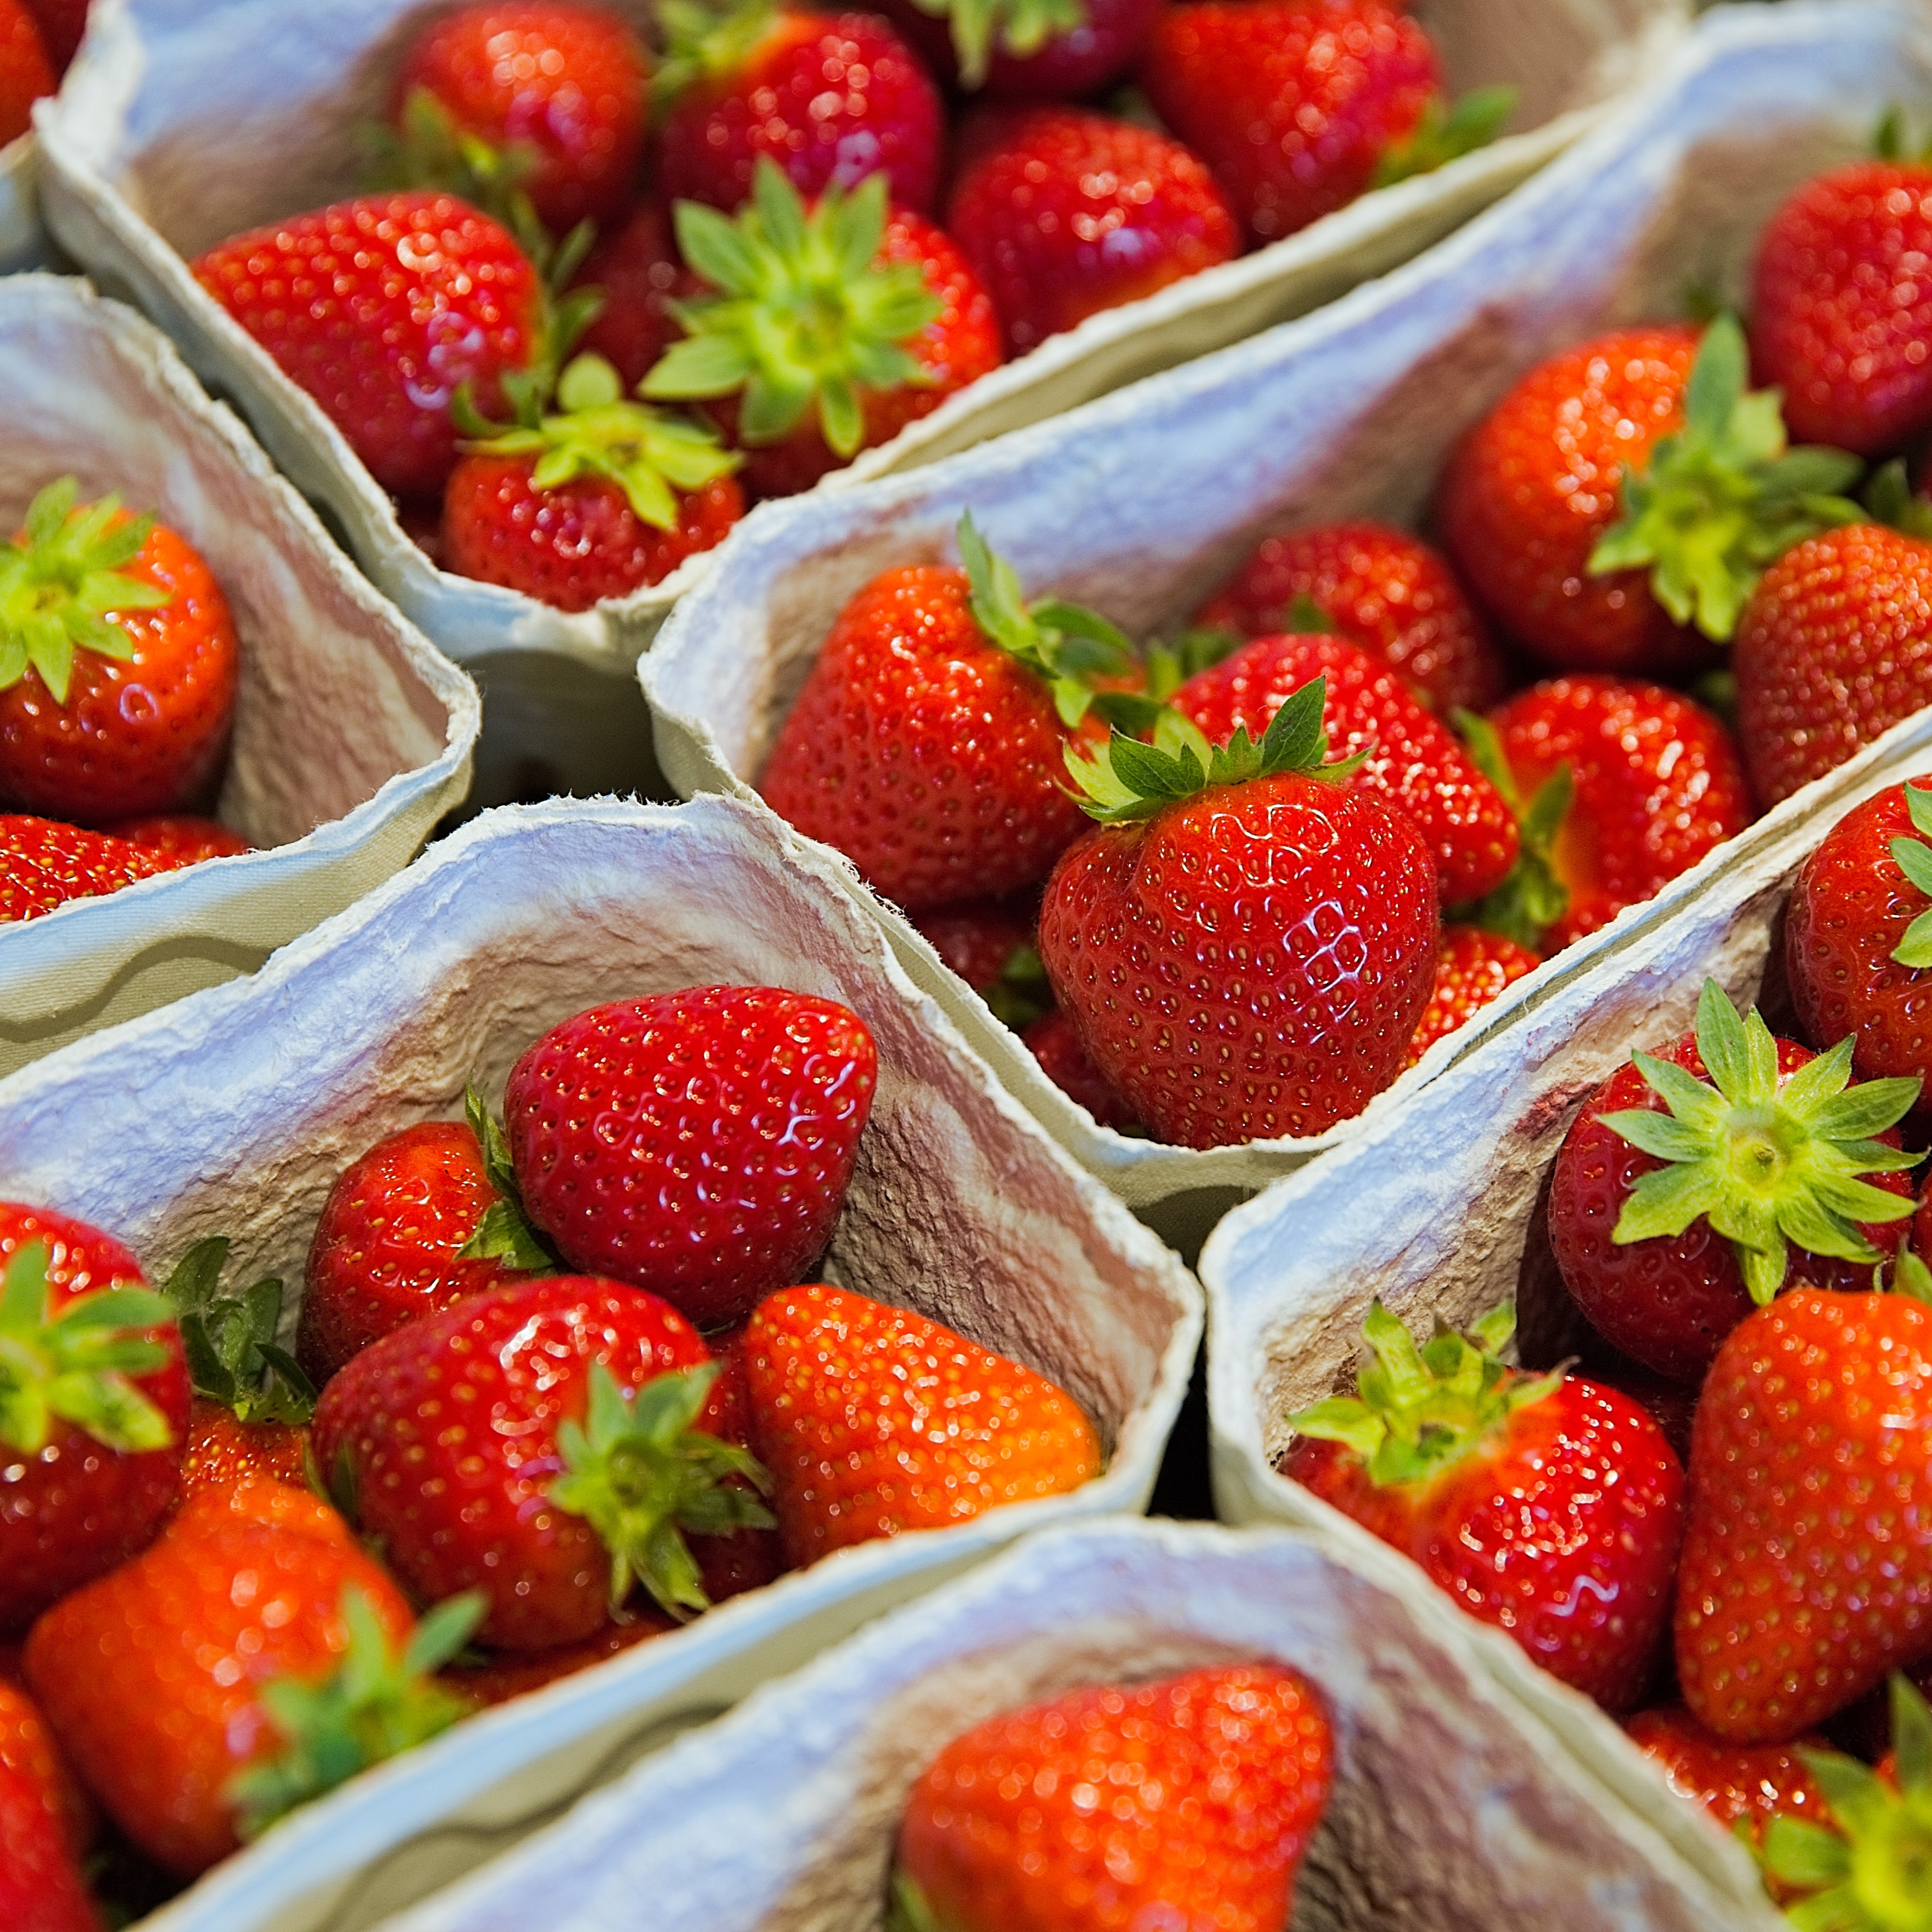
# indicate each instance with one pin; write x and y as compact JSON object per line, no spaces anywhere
{"x":234,"y":1113}
{"x":153,"y":152}
{"x":1452,"y":1807}
{"x":352,"y":736}
{"x":1142,"y":503}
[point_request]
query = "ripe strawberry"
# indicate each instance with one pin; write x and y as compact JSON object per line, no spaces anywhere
{"x":427,"y":1216}
{"x":1060,"y":49}
{"x":927,"y":743}
{"x":829,"y":98}
{"x":1215,"y":1782}
{"x":1380,"y":588}
{"x":1695,"y":1184}
{"x":62,"y":23}
{"x":1333,"y":894}
{"x":989,"y":944}
{"x":165,"y":1679}
{"x":698,"y":1143}
{"x":93,"y":1400}
{"x":26,"y":73}
{"x":40,"y":1886}
{"x":122,"y":702}
{"x":516,"y":1673}
{"x":1410,"y":761}
{"x":1625,"y":488}
{"x":1063,"y":213}
{"x":831,"y":331}
{"x":874,"y":1420}
{"x":538,"y":1443}
{"x":636,"y":269}
{"x":381,"y":308}
{"x":1835,"y":648}
{"x":43,"y":864}
{"x":28,"y":1749}
{"x":1052,"y":1041}
{"x":563,"y":86}
{"x":1472,"y":968}
{"x":181,"y":838}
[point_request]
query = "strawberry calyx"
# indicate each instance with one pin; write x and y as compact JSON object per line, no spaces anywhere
{"x":61,"y":581}
{"x":641,"y":1473}
{"x":1445,"y":132}
{"x":1914,"y":859}
{"x":73,"y":1364}
{"x":505,"y":1232}
{"x":228,"y":1341}
{"x":1533,"y":898}
{"x":377,"y":1703}
{"x":1022,"y":28}
{"x":1767,"y":1160}
{"x":907,"y":1909}
{"x":705,"y":43}
{"x":1889,"y":499}
{"x":1725,"y":497}
{"x":1021,"y":995}
{"x":805,"y":319}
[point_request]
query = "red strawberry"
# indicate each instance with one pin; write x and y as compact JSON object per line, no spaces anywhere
{"x":636,"y":269}
{"x":830,"y":98}
{"x":1332,"y":896}
{"x":41,"y":1889}
{"x":1835,"y":648}
{"x":1063,"y":213}
{"x":516,"y":1673}
{"x":221,"y":1450}
{"x":1062,"y":49}
{"x":989,"y":942}
{"x":28,"y":1749}
{"x":579,"y":1474}
{"x":564,"y":84}
{"x":831,"y":331}
{"x":122,"y":703}
{"x":43,"y":864}
{"x":874,"y":1420}
{"x":62,"y":23}
{"x":93,"y":1402}
{"x":382,"y":309}
{"x":1472,"y":968}
{"x":1052,"y":1041}
{"x":182,"y":838}
{"x":1380,"y":588}
{"x":699,"y":1143}
{"x":26,"y":73}
{"x":1412,"y":763}
{"x":1697,"y":1183}
{"x":1548,"y":1505}
{"x":1608,"y":500}
{"x":1214,"y":1784}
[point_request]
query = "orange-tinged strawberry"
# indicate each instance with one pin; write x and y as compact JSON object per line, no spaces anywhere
{"x":1473,"y":967}
{"x":44,"y":863}
{"x":40,"y":1886}
{"x":223,"y":1450}
{"x":27,"y":1746}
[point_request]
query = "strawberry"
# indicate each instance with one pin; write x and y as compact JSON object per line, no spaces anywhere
{"x":27,"y":1747}
{"x":830,"y":330}
{"x":989,"y":944}
{"x":1614,"y":509}
{"x":117,"y":663}
{"x":926,"y":745}
{"x":43,"y":864}
{"x":1697,"y":1183}
{"x":1409,"y":761}
{"x":26,"y":73}
{"x":1834,"y":649}
{"x":1472,"y":968}
{"x":93,"y":1401}
{"x":40,"y":1886}
{"x":829,"y":98}
{"x":1214,"y":1784}
{"x":426,"y":1216}
{"x":1062,"y":49}
{"x":580,"y":1474}
{"x":1332,"y":894}
{"x":1379,"y":588}
{"x":874,"y":1420}
{"x":1052,"y":1041}
{"x":1547,"y":1505}
{"x":1807,"y":1572}
{"x":381,"y":308}
{"x":698,"y":1143}
{"x":635,"y":269}
{"x":516,"y":1673}
{"x":168,"y":1682}
{"x":181,"y":838}
{"x":1063,"y":213}
{"x":62,"y":23}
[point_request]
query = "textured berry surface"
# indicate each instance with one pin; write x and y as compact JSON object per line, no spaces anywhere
{"x":1415,"y":764}
{"x":1527,"y":492}
{"x":699,"y":1144}
{"x":181,"y":838}
{"x":1841,"y":307}
{"x":385,"y":1250}
{"x":44,"y":863}
{"x":1806,"y":1573}
{"x":830,"y":97}
{"x":1071,"y":65}
{"x":26,"y":73}
{"x":1051,"y":1041}
{"x":1380,"y":588}
{"x":1291,"y":104}
{"x":1658,"y":784}
{"x":636,"y":266}
{"x":222,"y":1450}
{"x":381,"y":308}
{"x":1472,"y":968}
{"x":1250,"y":964}
{"x":27,"y":1747}
{"x":1213,"y":1783}
{"x":1834,"y":649}
{"x":874,"y":1420}
{"x":40,"y":1886}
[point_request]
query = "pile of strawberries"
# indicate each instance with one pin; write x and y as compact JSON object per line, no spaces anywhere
{"x":565,"y":1382}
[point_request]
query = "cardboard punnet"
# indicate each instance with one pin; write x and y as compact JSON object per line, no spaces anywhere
{"x":23,"y":244}
{"x":352,"y":736}
{"x":234,"y":1111}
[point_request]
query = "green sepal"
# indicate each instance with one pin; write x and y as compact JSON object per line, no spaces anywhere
{"x":1445,"y":133}
{"x":228,"y":1341}
{"x":1532,"y":898}
{"x":1022,"y":28}
{"x":1914,"y":859}
{"x":504,"y":1233}
{"x":1889,"y":499}
{"x":1910,"y":1276}
{"x":1725,"y":497}
{"x":641,"y":1473}
{"x":1767,"y":1161}
{"x":374,"y":1704}
{"x":907,"y":1909}
{"x":1305,"y":618}
{"x":803,"y":318}
{"x":1890,"y":141}
{"x":1021,"y":995}
{"x":1199,"y":648}
{"x":701,"y":41}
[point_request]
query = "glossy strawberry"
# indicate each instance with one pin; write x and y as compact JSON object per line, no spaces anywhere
{"x":636,"y":269}
{"x":1058,"y":49}
{"x":698,"y":1143}
{"x":41,"y":1889}
{"x":1052,"y":1041}
{"x":381,"y":308}
{"x":44,"y":863}
{"x":1064,"y":212}
{"x":181,"y":838}
{"x":27,"y":1748}
{"x":1473,"y":968}
{"x":1380,"y":588}
{"x":1696,"y":1182}
{"x":26,"y":72}
{"x":1217,"y":1780}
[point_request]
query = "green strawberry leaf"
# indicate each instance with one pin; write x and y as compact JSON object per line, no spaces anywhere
{"x":1021,"y":28}
{"x":228,"y":1341}
{"x":1445,"y":133}
{"x":505,"y":1232}
{"x":1533,"y":898}
{"x":1913,"y":857}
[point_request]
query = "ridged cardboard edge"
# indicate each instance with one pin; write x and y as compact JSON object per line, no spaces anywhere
{"x":23,"y":242}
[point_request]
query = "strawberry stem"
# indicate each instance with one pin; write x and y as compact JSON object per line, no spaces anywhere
{"x":1022,"y":28}
{"x":504,"y":1233}
{"x":229,"y":1340}
{"x":1445,"y":133}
